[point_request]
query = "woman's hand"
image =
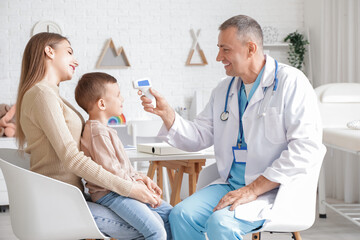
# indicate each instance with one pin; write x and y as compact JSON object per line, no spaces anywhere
{"x":140,"y":192}
{"x":162,"y":109}
{"x":152,"y":186}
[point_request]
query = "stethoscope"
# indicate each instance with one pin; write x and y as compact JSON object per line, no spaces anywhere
{"x":224,"y":116}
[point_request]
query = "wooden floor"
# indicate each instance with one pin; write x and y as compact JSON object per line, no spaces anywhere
{"x":334,"y":227}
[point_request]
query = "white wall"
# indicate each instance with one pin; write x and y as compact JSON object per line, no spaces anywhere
{"x":313,"y":17}
{"x":154,"y":33}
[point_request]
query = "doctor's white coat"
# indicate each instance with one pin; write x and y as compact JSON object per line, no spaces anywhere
{"x":283,"y":144}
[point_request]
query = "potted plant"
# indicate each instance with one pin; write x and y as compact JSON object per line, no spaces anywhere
{"x":297,"y":49}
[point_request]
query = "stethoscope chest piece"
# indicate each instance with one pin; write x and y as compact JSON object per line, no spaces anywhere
{"x":224,"y":116}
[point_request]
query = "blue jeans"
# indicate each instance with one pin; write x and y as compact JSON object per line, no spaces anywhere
{"x":111,"y":224}
{"x":192,"y":217}
{"x":140,"y":215}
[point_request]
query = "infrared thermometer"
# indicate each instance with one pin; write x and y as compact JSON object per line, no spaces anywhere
{"x":144,"y":85}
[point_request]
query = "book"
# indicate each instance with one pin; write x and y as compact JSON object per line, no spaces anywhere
{"x":159,"y":149}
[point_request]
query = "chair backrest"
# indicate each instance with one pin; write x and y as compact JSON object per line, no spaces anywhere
{"x":16,"y":157}
{"x":339,"y":103}
{"x":207,"y":175}
{"x":299,"y":195}
{"x":45,"y":208}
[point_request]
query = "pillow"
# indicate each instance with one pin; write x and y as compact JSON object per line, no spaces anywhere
{"x":341,"y":93}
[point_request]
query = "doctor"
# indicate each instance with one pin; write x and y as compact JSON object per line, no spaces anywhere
{"x":265,"y":127}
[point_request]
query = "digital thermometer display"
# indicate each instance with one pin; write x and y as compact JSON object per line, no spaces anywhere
{"x":144,"y":83}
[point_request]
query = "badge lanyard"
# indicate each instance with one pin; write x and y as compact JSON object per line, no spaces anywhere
{"x":240,"y":142}
{"x":240,"y":150}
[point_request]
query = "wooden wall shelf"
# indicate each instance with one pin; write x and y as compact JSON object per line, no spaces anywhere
{"x":196,"y":46}
{"x":112,"y":57}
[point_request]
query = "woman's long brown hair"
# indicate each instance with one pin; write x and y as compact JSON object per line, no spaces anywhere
{"x":32,"y":71}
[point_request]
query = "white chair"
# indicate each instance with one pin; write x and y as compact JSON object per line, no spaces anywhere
{"x":44,"y":208}
{"x":299,"y":217}
{"x":5,"y":142}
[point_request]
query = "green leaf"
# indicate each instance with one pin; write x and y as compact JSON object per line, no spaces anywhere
{"x":297,"y":50}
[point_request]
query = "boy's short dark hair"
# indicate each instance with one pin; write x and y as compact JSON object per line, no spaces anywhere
{"x":90,"y":88}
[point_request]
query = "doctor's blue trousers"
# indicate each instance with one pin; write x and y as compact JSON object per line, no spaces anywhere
{"x":194,"y":216}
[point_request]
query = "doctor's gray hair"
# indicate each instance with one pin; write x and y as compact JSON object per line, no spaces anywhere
{"x":247,"y":27}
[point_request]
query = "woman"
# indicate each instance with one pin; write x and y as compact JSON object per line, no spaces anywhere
{"x":51,"y":128}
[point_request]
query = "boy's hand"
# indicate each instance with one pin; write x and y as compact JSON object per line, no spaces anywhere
{"x":152,"y":186}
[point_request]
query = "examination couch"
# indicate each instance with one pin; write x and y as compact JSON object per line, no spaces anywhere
{"x":339,"y":104}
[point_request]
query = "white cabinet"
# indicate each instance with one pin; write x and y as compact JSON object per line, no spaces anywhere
{"x":5,"y":143}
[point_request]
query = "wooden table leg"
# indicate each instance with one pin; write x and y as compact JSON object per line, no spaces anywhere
{"x":171,"y":177}
{"x":256,"y":236}
{"x":175,"y":192}
{"x":296,"y":236}
{"x":192,"y":178}
{"x":159,"y":178}
{"x":198,"y":168}
{"x":155,"y":166}
{"x":192,"y":184}
{"x":176,"y":170}
{"x":152,"y":168}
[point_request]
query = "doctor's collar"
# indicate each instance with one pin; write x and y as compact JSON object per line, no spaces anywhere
{"x":269,"y":72}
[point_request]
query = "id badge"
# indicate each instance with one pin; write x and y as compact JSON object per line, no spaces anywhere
{"x":240,"y":154}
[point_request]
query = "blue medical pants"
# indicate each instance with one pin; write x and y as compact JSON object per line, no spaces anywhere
{"x":193,"y":216}
{"x":140,"y":215}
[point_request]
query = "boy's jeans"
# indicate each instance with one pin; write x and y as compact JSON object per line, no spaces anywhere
{"x":111,"y":224}
{"x":141,"y":216}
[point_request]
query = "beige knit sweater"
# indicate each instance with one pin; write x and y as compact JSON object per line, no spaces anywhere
{"x":53,"y":130}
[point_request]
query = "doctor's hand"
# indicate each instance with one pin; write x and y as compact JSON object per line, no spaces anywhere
{"x":246,"y":194}
{"x":236,"y":197}
{"x":163,"y":109}
{"x":141,"y":193}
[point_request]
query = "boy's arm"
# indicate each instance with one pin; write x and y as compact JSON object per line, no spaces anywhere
{"x":104,"y":154}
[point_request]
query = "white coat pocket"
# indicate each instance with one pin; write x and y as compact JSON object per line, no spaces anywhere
{"x":274,"y":126}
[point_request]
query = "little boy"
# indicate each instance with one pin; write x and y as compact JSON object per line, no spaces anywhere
{"x":99,"y":95}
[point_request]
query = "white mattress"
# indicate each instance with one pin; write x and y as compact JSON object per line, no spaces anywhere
{"x":343,"y":138}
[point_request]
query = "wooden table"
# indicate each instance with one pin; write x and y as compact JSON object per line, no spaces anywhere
{"x":176,"y":166}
